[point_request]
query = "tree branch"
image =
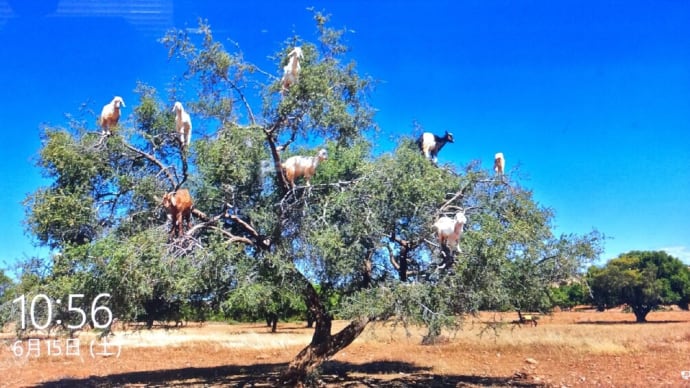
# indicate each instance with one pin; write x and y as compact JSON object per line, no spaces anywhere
{"x":391,"y":257}
{"x":234,"y":86}
{"x":282,"y":181}
{"x":155,"y":161}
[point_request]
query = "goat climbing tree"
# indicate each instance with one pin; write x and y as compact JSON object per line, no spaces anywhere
{"x":361,"y":231}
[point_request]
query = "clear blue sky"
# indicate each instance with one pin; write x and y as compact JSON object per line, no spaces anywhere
{"x":590,"y":98}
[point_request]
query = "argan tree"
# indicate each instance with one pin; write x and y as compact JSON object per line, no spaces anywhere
{"x":361,"y":231}
{"x":641,"y":279}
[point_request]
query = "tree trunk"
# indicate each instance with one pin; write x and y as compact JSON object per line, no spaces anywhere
{"x":402,"y":271}
{"x":366,"y":270}
{"x":641,"y":313}
{"x":323,"y":345}
{"x":272,"y":321}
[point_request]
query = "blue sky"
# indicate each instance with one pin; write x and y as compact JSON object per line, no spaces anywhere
{"x":590,"y":98}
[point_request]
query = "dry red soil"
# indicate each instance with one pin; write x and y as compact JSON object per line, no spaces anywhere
{"x":566,"y":349}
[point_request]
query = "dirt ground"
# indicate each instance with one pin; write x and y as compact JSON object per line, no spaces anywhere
{"x":566,"y":349}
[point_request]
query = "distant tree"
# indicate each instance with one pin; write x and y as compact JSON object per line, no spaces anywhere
{"x":643,"y":280}
{"x":264,"y":300}
{"x":357,"y":244}
{"x":570,"y":295}
{"x":6,"y":285}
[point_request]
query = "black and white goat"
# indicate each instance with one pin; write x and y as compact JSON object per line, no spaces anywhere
{"x":431,"y":144}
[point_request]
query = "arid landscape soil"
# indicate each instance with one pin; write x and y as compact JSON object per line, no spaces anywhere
{"x":566,"y":349}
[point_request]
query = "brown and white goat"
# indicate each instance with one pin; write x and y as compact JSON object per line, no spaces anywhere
{"x":292,"y":69}
{"x":499,"y":163}
{"x":179,"y":206}
{"x":449,"y":230}
{"x":183,"y":124}
{"x":431,"y":144}
{"x":297,"y":166}
{"x":110,"y":114}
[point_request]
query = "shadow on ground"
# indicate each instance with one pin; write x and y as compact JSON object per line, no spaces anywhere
{"x":624,"y":322}
{"x":334,"y":373}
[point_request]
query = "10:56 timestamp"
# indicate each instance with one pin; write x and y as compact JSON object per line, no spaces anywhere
{"x":40,"y":323}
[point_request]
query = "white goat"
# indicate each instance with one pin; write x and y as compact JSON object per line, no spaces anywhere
{"x":292,"y":69}
{"x":296,"y":166}
{"x":499,"y":163}
{"x":449,"y":229}
{"x":183,"y":124}
{"x":431,"y":144}
{"x":110,"y":114}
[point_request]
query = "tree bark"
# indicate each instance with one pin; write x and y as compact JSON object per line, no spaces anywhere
{"x":323,"y":345}
{"x":641,"y":313}
{"x":272,"y":321}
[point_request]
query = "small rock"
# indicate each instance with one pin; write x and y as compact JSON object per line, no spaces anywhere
{"x":531,"y":361}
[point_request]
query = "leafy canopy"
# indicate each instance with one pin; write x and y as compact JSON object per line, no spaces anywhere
{"x":643,"y":280}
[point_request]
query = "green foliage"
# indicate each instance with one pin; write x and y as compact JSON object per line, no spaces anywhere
{"x":356,"y":244}
{"x":6,"y":296}
{"x":570,"y":295}
{"x":641,"y":279}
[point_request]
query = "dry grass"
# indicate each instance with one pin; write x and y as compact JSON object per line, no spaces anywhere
{"x":578,"y":332}
{"x":571,"y":349}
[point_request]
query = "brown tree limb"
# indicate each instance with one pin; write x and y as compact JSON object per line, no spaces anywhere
{"x":323,"y":345}
{"x":282,"y":180}
{"x":391,"y":257}
{"x":155,"y":161}
{"x":234,"y":86}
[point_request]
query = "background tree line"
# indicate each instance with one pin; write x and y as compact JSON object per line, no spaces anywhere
{"x":641,"y":280}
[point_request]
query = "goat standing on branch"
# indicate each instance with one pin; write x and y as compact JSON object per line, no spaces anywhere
{"x":449,"y":230}
{"x":297,"y":166}
{"x":179,"y":206}
{"x":183,"y":124}
{"x":431,"y":144}
{"x":110,"y":115}
{"x":292,"y":69}
{"x":499,"y":164}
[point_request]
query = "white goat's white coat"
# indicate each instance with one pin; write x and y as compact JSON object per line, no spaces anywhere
{"x":449,"y":229}
{"x":183,"y":124}
{"x":292,"y":69}
{"x":110,"y":114}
